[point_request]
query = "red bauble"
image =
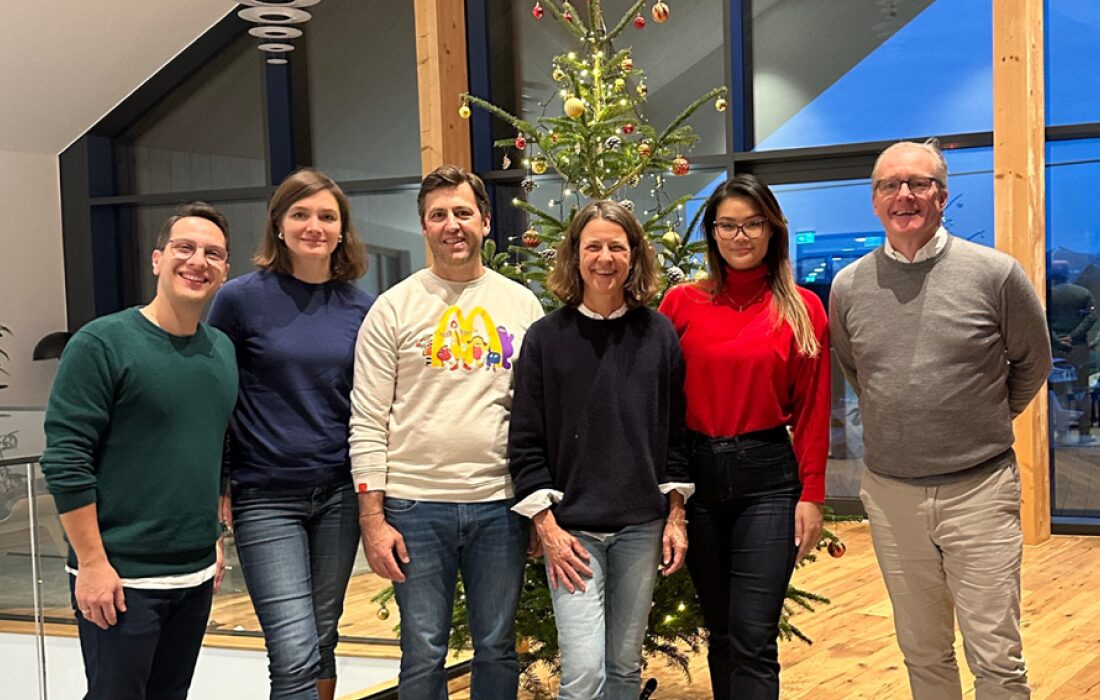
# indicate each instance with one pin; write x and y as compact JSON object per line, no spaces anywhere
{"x":531,"y":238}
{"x":553,"y":137}
{"x":537,"y":12}
{"x":521,"y":143}
{"x":836,"y":549}
{"x":639,"y":22}
{"x":680,"y":166}
{"x":628,"y":128}
{"x":567,"y":16}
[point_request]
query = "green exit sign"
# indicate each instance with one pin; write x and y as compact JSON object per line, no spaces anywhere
{"x":804,"y":237}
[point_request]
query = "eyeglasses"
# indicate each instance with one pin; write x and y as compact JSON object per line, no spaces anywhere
{"x":183,"y":249}
{"x":917,"y":185}
{"x":752,"y":229}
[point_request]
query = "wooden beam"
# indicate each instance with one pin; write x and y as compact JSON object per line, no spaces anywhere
{"x":441,"y":78}
{"x":1020,"y":204}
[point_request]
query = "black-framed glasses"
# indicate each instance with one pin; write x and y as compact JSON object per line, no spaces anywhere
{"x":916,"y":185}
{"x":183,"y":249}
{"x":754,"y":228}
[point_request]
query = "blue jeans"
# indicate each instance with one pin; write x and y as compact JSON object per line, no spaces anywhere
{"x":487,"y":542}
{"x":297,"y":548}
{"x":601,"y":629}
{"x":150,"y":653}
{"x":741,"y":556}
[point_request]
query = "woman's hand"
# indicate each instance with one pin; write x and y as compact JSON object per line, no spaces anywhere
{"x":674,"y":542}
{"x":809,"y":519}
{"x":566,"y":557}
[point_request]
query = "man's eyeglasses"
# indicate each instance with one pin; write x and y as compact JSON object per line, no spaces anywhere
{"x":752,"y":229}
{"x":917,"y":185}
{"x":183,"y":249}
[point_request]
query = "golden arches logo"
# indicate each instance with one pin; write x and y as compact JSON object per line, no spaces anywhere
{"x":456,"y":341}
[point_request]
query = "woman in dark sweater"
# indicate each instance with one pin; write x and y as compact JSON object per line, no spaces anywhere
{"x":756,"y":359}
{"x":294,"y":324}
{"x":596,"y":449}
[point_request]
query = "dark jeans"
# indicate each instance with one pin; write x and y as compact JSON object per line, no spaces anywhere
{"x":742,"y":554}
{"x":297,"y":548}
{"x":150,"y":653}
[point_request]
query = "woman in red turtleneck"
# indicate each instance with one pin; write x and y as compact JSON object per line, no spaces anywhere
{"x":756,"y":358}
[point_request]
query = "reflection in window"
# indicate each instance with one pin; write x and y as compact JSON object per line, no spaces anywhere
{"x":845,"y":72}
{"x":1073,"y":279}
{"x":388,"y":224}
{"x":208,"y":134}
{"x":1072,"y":61}
{"x":832,"y":225}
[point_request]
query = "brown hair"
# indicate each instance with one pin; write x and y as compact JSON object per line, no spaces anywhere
{"x":565,"y":281}
{"x":201,"y":210}
{"x":447,"y":176}
{"x":348,"y":261}
{"x":787,"y":302}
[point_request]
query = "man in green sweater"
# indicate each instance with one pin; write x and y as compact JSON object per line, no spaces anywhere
{"x":134,"y":432}
{"x":944,"y":342}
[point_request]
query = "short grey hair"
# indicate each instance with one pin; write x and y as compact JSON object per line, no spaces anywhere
{"x":931,"y":147}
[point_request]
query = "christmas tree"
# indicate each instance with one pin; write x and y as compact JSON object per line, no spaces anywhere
{"x":593,"y":134}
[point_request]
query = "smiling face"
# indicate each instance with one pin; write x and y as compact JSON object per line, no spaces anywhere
{"x":311,"y":228}
{"x":908,"y":218}
{"x":193,"y":264}
{"x":741,"y":252}
{"x":454,"y":229}
{"x":604,"y":260}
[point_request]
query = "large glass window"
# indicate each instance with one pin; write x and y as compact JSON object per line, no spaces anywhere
{"x":1073,"y":279}
{"x":388,"y":223}
{"x":850,"y":71}
{"x":363,"y":89}
{"x":831,"y":226}
{"x":208,"y":134}
{"x":1072,"y":62}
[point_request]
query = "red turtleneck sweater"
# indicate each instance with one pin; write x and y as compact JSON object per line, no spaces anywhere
{"x":743,"y":373}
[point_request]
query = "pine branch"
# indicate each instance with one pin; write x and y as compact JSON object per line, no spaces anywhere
{"x":680,"y":118}
{"x":650,"y":224}
{"x":626,"y":18}
{"x":521,"y":125}
{"x":573,"y":26}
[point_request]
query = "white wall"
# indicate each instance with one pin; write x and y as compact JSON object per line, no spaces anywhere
{"x":32,"y":273}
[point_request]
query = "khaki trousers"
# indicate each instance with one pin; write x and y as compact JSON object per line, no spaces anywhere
{"x":947,"y":551}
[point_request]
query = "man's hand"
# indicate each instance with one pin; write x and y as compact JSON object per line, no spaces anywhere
{"x":380,"y":541}
{"x":674,"y":545}
{"x":809,"y":519}
{"x":225,"y":510}
{"x":534,"y":544}
{"x":565,"y":556}
{"x":99,"y":595}
{"x":219,"y":566}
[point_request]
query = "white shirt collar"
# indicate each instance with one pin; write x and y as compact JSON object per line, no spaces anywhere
{"x":929,"y":250}
{"x":592,"y":314}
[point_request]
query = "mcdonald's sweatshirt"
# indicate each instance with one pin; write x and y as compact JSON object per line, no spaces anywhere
{"x":432,"y":390}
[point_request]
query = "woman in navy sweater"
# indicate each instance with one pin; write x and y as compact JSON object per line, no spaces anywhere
{"x":596,"y":449}
{"x":294,"y":323}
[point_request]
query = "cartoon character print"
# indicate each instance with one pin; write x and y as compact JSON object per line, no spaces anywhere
{"x":506,"y":348}
{"x":470,"y":341}
{"x":424,"y":344}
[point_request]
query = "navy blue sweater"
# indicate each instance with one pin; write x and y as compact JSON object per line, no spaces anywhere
{"x":295,"y":346}
{"x":598,"y":414}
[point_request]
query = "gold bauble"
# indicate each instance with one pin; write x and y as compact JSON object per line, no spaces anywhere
{"x":720,"y":104}
{"x":643,"y":90}
{"x":383,"y":613}
{"x":464,"y":112}
{"x":538,"y":165}
{"x":558,"y":74}
{"x":574,"y":107}
{"x":660,"y":12}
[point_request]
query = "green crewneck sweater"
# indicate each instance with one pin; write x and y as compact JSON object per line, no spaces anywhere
{"x":942,"y":353}
{"x":135,"y":424}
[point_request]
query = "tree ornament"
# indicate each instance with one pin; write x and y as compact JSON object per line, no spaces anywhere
{"x":383,"y":613}
{"x":464,"y":111}
{"x":633,"y":180}
{"x":675,"y":275}
{"x":643,"y":89}
{"x":680,"y":166}
{"x":660,"y":12}
{"x":627,"y":64}
{"x":628,"y":205}
{"x":671,"y":238}
{"x":505,"y":162}
{"x":537,"y":12}
{"x":521,"y":142}
{"x":612,"y":143}
{"x":836,"y":549}
{"x":619,"y":83}
{"x":558,"y":75}
{"x":720,"y":104}
{"x":527,"y":185}
{"x":639,"y":21}
{"x":645,"y":149}
{"x":553,"y":137}
{"x":628,"y":128}
{"x":531,"y":238}
{"x":538,"y":165}
{"x":548,"y":254}
{"x":567,"y":16}
{"x":574,"y":107}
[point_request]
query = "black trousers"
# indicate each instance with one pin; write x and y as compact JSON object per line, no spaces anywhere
{"x":742,"y":554}
{"x":150,"y":653}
